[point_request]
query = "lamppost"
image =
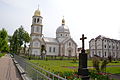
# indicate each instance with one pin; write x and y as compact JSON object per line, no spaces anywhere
{"x":82,"y":69}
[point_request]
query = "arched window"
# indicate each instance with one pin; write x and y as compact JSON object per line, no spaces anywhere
{"x":49,"y":49}
{"x":69,"y":43}
{"x":54,"y":49}
{"x":37,"y":20}
{"x":105,"y":46}
{"x":37,"y":29}
{"x":105,"y":53}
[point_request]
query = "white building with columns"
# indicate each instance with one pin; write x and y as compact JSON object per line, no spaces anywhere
{"x":62,"y":45}
{"x":104,"y":47}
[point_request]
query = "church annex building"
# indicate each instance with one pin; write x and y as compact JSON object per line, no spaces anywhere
{"x":62,"y":45}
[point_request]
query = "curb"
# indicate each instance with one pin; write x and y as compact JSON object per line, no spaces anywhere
{"x":21,"y":71}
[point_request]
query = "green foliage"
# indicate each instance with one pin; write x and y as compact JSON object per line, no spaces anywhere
{"x":19,"y":38}
{"x":2,"y":54}
{"x":113,"y":70}
{"x":104,"y":64}
{"x":98,"y":76}
{"x":4,"y":41}
{"x":96,"y":62}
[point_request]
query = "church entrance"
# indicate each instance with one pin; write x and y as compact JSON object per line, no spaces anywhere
{"x":69,"y":53}
{"x":43,"y":51}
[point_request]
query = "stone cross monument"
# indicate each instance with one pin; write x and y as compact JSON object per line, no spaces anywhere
{"x":82,"y":69}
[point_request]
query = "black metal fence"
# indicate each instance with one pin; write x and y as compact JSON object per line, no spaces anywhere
{"x":35,"y":72}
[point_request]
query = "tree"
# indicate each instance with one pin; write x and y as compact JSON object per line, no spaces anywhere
{"x":26,"y":39}
{"x":96,"y":65}
{"x":4,"y":41}
{"x":96,"y":62}
{"x":15,"y":42}
{"x":19,"y":38}
{"x":104,"y":64}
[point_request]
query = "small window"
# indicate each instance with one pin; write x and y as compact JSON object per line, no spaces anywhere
{"x":69,"y":43}
{"x":105,"y":53}
{"x":105,"y":40}
{"x":37,"y":20}
{"x":37,"y":29}
{"x":61,"y":34}
{"x":117,"y":47}
{"x":109,"y":46}
{"x":113,"y":47}
{"x":105,"y":46}
{"x":54,"y":49}
{"x":49,"y":49}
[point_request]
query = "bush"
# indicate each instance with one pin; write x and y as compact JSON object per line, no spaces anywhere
{"x":2,"y":54}
{"x":98,"y":76}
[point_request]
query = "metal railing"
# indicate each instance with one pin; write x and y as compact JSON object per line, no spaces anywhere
{"x":35,"y":72}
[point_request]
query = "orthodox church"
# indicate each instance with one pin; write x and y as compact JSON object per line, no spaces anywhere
{"x":62,"y":45}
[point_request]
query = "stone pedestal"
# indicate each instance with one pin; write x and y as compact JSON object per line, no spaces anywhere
{"x":82,"y":70}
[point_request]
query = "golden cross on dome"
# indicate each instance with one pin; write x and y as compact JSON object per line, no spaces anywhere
{"x":63,"y":21}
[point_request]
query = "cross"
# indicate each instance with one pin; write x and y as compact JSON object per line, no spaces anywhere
{"x":38,"y":6}
{"x":83,"y":38}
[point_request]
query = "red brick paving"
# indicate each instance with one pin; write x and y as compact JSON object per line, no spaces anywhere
{"x":8,"y":70}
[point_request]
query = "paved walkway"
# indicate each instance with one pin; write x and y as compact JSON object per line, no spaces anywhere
{"x":8,"y":70}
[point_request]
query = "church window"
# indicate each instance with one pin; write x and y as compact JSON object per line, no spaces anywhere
{"x":117,"y":47}
{"x":69,"y":43}
{"x":113,"y":47}
{"x":105,"y":53}
{"x":54,"y":49}
{"x":37,"y":29}
{"x":36,"y":44}
{"x":105,"y":46}
{"x":49,"y":49}
{"x":99,"y":53}
{"x":37,"y":20}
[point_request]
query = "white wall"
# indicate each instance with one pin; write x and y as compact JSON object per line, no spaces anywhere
{"x":52,"y":46}
{"x":72,"y":47}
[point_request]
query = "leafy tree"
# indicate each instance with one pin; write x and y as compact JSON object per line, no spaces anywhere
{"x":19,"y":38}
{"x":96,"y":62}
{"x":104,"y":64}
{"x":15,"y":42}
{"x":4,"y":41}
{"x":26,"y":39}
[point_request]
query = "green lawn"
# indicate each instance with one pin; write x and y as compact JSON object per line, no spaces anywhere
{"x":113,"y":70}
{"x":62,"y":65}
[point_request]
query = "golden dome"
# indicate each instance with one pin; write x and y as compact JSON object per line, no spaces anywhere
{"x":63,"y":21}
{"x":37,"y":12}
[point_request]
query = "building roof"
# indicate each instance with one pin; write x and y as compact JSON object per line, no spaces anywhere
{"x":50,"y":40}
{"x":103,"y":37}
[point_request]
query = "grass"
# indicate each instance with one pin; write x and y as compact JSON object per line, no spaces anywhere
{"x":61,"y":65}
{"x":113,"y":70}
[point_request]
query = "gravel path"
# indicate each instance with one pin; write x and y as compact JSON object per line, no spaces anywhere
{"x":8,"y":70}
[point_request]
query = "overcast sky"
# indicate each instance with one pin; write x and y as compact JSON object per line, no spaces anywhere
{"x":89,"y":17}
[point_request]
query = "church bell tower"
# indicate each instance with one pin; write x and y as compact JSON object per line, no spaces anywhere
{"x":36,"y":27}
{"x":36,"y":33}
